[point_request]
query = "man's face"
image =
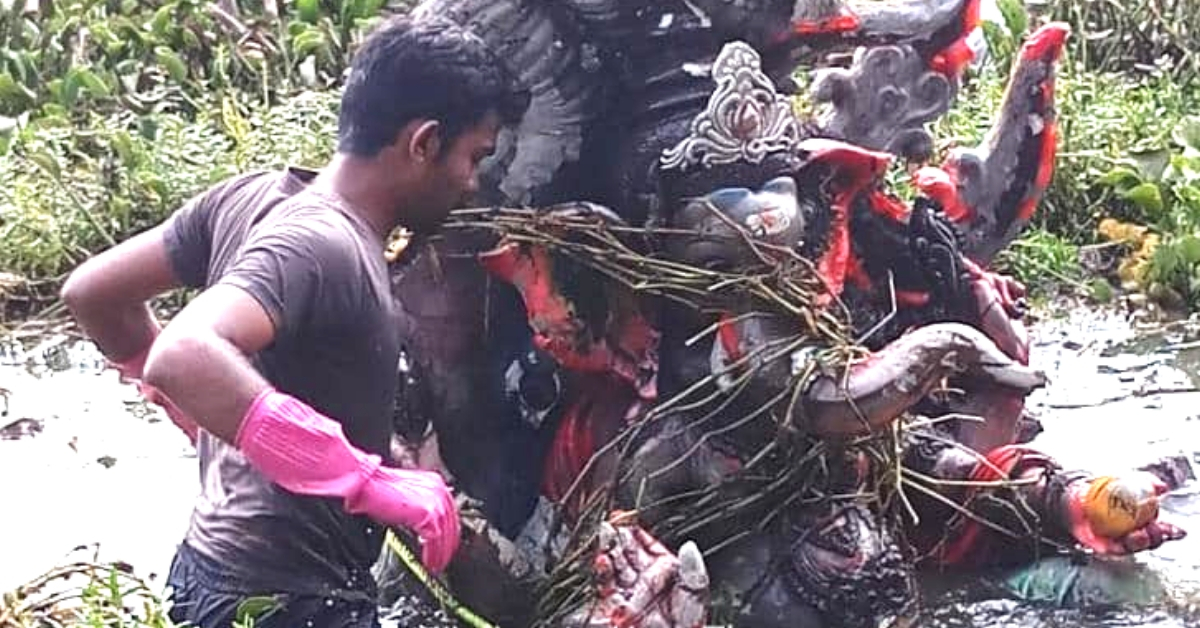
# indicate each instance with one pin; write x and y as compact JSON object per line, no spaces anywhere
{"x":451,"y":181}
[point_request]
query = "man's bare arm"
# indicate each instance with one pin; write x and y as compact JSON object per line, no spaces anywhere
{"x":199,"y":360}
{"x":107,"y":294}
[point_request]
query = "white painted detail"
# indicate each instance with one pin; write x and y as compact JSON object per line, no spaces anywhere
{"x":1036,"y":124}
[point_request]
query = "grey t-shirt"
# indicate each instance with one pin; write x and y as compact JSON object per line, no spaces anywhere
{"x":319,"y":272}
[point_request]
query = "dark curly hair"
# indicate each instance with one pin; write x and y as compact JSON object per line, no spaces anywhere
{"x":430,"y":68}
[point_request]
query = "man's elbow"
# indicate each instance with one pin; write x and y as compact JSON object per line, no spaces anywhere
{"x":75,"y":292}
{"x":167,"y":360}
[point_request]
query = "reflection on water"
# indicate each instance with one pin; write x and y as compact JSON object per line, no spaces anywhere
{"x":99,"y":467}
{"x":1119,"y":397}
{"x":95,"y":465}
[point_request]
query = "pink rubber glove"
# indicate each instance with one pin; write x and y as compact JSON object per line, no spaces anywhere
{"x":130,"y":371}
{"x":307,"y":453}
{"x":181,"y":420}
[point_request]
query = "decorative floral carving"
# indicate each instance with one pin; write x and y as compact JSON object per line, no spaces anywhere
{"x":746,"y":118}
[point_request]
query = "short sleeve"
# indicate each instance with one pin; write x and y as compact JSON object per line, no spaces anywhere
{"x":298,"y":271}
{"x":188,"y":238}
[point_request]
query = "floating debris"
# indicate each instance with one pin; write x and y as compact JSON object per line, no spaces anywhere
{"x":21,"y":428}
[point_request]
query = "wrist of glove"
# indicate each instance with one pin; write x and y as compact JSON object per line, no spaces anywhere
{"x":181,"y":420}
{"x":307,"y":453}
{"x":130,"y":369}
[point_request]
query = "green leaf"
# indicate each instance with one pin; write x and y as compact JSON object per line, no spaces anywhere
{"x":1101,"y":291}
{"x":54,"y":114}
{"x":148,"y":127}
{"x":93,"y":83}
{"x":1194,"y":289}
{"x":1121,"y":178}
{"x":68,"y":93}
{"x":122,"y":143}
{"x":125,"y":28}
{"x":127,"y":66}
{"x":1015,"y":17}
{"x":308,"y":10}
{"x":999,"y":42}
{"x":1147,"y":196}
{"x":16,"y":65}
{"x":1152,"y":163}
{"x":191,"y":41}
{"x":1165,"y":262}
{"x":308,"y":42}
{"x":172,"y":63}
{"x":1189,"y":249}
{"x":365,"y":9}
{"x":1188,"y":132}
{"x":13,"y":94}
{"x":1189,"y":195}
{"x":255,"y":607}
{"x":162,"y":21}
{"x":30,"y":30}
{"x":46,"y":162}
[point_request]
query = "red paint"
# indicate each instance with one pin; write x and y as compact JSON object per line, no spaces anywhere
{"x":954,"y":58}
{"x":1044,"y":46}
{"x":965,"y":545}
{"x":1049,"y":149}
{"x":728,"y":337}
{"x":632,"y":354}
{"x":854,"y":168}
{"x":554,"y":325}
{"x":609,"y":377}
{"x":845,"y":23}
{"x":1046,"y":43}
{"x":941,"y":185}
{"x":856,"y":274}
{"x":854,"y":162}
{"x":889,"y":206}
{"x":835,"y":262}
{"x":1044,"y":173}
{"x":912,"y":298}
{"x":593,"y":415}
{"x":569,"y":453}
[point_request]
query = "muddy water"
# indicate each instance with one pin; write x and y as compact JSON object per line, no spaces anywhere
{"x":1122,"y":394}
{"x":94,"y":465}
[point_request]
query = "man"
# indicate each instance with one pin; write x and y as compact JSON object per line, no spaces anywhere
{"x":287,"y":359}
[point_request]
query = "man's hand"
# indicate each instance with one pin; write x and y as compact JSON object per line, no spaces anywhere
{"x":181,"y":420}
{"x":418,"y":500}
{"x":307,"y":453}
{"x":643,"y":584}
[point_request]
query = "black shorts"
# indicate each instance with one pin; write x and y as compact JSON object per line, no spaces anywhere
{"x":205,"y":597}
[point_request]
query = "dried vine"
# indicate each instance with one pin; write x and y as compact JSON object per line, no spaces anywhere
{"x":777,"y":474}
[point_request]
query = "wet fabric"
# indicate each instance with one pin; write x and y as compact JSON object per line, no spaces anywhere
{"x":319,"y":272}
{"x":1067,"y":583}
{"x":206,"y":595}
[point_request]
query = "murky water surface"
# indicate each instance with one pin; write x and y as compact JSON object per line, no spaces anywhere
{"x":84,"y":461}
{"x":1121,"y":395}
